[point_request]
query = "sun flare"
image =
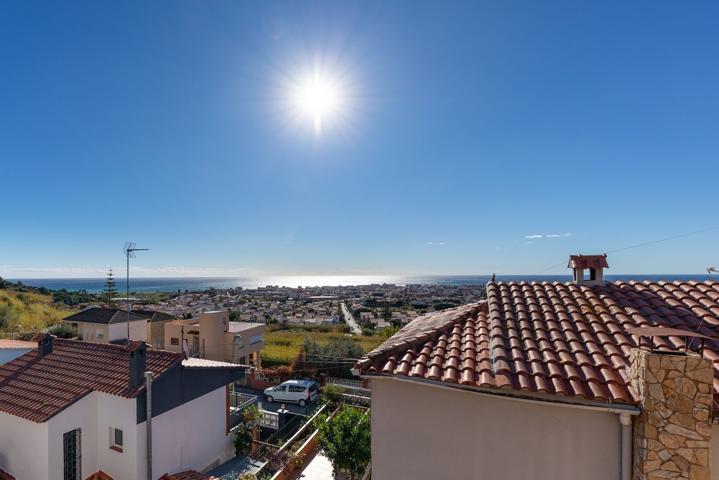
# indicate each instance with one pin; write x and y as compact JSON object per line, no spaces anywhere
{"x":318,"y":98}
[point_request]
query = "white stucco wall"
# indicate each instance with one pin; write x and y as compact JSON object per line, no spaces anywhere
{"x":83,"y":415}
{"x":425,"y":432}
{"x":22,"y":447}
{"x":191,"y":436}
{"x":138,"y":330}
{"x":116,"y":412}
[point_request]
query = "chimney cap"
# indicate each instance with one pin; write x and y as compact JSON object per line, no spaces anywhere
{"x":588,"y":261}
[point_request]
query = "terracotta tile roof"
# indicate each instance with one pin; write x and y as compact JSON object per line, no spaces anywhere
{"x":555,"y":338}
{"x":99,"y":475}
{"x":5,"y":476}
{"x":38,"y":387}
{"x":187,"y":475}
{"x":588,"y":261}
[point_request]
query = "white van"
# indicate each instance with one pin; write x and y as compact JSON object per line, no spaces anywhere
{"x":300,"y":391}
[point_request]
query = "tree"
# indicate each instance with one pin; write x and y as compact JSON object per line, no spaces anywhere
{"x":243,"y":431}
{"x":345,"y":440}
{"x":110,"y":291}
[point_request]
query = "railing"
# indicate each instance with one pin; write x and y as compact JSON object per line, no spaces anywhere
{"x":347,"y":382}
{"x":238,"y":403}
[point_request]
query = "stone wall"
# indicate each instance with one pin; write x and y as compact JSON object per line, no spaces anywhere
{"x":672,"y":434}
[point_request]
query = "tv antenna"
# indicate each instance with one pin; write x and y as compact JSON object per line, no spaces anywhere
{"x":711,"y":270}
{"x":129,"y":250}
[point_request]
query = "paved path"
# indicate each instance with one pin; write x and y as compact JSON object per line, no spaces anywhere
{"x":354,"y":327}
{"x":319,"y":468}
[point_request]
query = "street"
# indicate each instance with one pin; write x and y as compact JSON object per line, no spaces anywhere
{"x":354,"y":327}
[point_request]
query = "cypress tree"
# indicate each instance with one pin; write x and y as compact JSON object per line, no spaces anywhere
{"x":110,"y":291}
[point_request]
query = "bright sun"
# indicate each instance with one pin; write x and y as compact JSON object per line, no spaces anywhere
{"x":318,"y":98}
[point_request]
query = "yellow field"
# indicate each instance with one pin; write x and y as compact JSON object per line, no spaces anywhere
{"x":282,"y":346}
{"x":28,"y":312}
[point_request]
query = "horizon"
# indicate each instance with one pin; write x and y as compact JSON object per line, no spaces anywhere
{"x":326,"y":138}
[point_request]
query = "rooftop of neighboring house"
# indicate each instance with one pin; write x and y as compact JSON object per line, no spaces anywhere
{"x":16,"y":344}
{"x":236,"y":327}
{"x":104,"y":316}
{"x":561,"y":339}
{"x":155,"y":315}
{"x":40,"y":384}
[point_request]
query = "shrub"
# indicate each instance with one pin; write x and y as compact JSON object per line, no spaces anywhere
{"x":345,"y":440}
{"x":62,"y":330}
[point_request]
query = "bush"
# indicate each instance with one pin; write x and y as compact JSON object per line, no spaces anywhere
{"x":243,"y":432}
{"x":62,"y":330}
{"x":345,"y":440}
{"x":331,"y":393}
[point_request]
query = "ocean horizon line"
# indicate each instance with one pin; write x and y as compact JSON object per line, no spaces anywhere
{"x":194,"y":283}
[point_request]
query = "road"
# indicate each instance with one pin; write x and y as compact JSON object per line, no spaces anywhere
{"x":354,"y":327}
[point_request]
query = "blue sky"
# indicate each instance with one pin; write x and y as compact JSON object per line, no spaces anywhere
{"x":466,"y":128}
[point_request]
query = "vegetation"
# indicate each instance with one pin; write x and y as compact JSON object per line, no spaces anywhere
{"x":243,"y":432}
{"x":283,"y":343}
{"x":345,"y":440}
{"x":334,"y":358}
{"x":28,"y":311}
{"x":110,"y":291}
{"x":62,"y":330}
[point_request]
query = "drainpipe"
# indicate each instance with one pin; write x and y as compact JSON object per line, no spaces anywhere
{"x":148,"y":430}
{"x":626,"y":461}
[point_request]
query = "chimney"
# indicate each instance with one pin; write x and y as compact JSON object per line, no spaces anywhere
{"x":44,"y":344}
{"x":673,"y":432}
{"x":138,"y":362}
{"x":592,"y":265}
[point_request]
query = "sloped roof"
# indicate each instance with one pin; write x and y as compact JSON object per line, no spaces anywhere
{"x":155,"y":315}
{"x":104,"y":316}
{"x":588,"y":261}
{"x":38,"y":387}
{"x":556,"y":338}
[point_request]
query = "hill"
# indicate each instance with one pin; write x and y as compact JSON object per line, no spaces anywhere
{"x":24,"y":309}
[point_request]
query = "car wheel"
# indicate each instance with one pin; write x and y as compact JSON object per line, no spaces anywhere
{"x":303,"y":403}
{"x":270,"y":399}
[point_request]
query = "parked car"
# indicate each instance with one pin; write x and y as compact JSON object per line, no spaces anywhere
{"x":300,"y":391}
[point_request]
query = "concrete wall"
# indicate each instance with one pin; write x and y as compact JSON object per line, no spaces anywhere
{"x":22,"y":447}
{"x":192,"y":436}
{"x":425,"y":432}
{"x":82,"y":415}
{"x":93,"y":332}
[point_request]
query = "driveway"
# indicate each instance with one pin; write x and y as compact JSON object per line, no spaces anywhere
{"x":263,"y":404}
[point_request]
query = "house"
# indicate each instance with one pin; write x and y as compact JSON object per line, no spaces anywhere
{"x":10,"y":349}
{"x":155,"y":326}
{"x":106,"y":325}
{"x":547,"y":380}
{"x":71,"y":409}
{"x":211,"y":335}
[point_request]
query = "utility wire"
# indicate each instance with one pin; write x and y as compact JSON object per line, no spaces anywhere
{"x":643,"y":244}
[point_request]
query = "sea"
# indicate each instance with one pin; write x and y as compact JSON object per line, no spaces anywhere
{"x":195,"y":284}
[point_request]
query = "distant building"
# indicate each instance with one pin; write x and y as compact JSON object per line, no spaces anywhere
{"x":212,"y":336}
{"x":77,"y":410}
{"x":108,"y":325}
{"x":155,"y":326}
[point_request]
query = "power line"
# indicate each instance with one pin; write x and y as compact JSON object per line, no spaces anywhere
{"x":643,"y":244}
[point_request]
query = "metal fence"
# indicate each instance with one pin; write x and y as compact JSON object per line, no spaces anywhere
{"x":238,"y":403}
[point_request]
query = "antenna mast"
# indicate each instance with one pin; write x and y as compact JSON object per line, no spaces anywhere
{"x":129,"y":250}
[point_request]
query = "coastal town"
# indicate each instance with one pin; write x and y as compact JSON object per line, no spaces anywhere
{"x":371,"y":306}
{"x":355,"y":240}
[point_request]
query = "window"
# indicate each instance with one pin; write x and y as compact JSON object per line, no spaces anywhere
{"x":297,"y":388}
{"x":71,"y":455}
{"x":174,"y":341}
{"x":281,"y":388}
{"x":115,"y":439}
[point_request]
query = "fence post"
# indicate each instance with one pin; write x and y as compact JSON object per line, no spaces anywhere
{"x":255,"y":439}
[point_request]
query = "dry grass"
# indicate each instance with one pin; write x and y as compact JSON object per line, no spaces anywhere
{"x":282,"y":346}
{"x":31,"y":311}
